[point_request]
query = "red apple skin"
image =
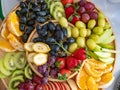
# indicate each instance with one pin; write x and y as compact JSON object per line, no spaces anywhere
{"x":53,"y":86}
{"x":56,"y":85}
{"x":63,"y":87}
{"x":67,"y":86}
{"x":49,"y":86}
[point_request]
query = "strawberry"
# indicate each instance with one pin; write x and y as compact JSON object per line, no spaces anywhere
{"x":71,"y":62}
{"x":69,"y":10}
{"x":74,"y":18}
{"x":60,"y":63}
{"x":64,"y":74}
{"x":79,"y":54}
{"x":64,"y":2}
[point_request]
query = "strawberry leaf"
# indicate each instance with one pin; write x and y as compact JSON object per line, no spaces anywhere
{"x":77,"y":67}
{"x":62,"y":77}
{"x":70,"y":18}
{"x":67,"y":5}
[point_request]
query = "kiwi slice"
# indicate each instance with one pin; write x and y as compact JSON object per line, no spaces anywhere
{"x":58,"y":12}
{"x":54,"y":5}
{"x":28,"y":72}
{"x":17,"y":73}
{"x":2,"y":75}
{"x":14,"y":82}
{"x":49,"y":2}
{"x":20,"y":60}
{"x":3,"y":69}
{"x":9,"y":61}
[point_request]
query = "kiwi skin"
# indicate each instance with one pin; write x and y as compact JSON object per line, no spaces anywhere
{"x":28,"y":72}
{"x":17,"y":73}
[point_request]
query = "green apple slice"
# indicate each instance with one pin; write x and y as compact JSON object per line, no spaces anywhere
{"x":103,"y":54}
{"x":108,"y":60}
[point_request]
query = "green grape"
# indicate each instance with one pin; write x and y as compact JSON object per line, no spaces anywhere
{"x":75,"y":32}
{"x":91,"y":44}
{"x":107,"y":26}
{"x":101,"y":22}
{"x":80,"y":41}
{"x":100,"y":15}
{"x":88,"y":32}
{"x":98,"y":30}
{"x":63,"y":22}
{"x":83,"y":32}
{"x":95,"y":37}
{"x":72,"y":47}
{"x":68,"y":31}
{"x":80,"y":24}
{"x":91,"y":24}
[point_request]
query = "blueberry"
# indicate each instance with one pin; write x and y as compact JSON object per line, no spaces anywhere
{"x":51,"y":26}
{"x":70,"y":40}
{"x":22,"y":27}
{"x":41,"y":19}
{"x":42,"y":32}
{"x":30,"y":22}
{"x":65,"y":45}
{"x":45,"y":26}
{"x":22,"y":4}
{"x":41,"y":13}
{"x":43,"y":6}
{"x":34,"y":4}
{"x":64,"y":30}
{"x":18,"y":12}
{"x":40,"y":1}
{"x":38,"y":27}
{"x":29,"y":30}
{"x":54,"y":47}
{"x":36,"y":9}
{"x":25,"y":37}
{"x":59,"y":35}
{"x":23,"y":20}
{"x":24,"y":10}
{"x":58,"y":27}
{"x":37,"y":39}
{"x":32,"y":16}
{"x":54,"y":53}
{"x":50,"y":40}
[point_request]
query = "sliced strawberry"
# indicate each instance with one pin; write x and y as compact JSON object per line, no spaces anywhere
{"x":74,"y":18}
{"x":71,"y":62}
{"x":60,"y":63}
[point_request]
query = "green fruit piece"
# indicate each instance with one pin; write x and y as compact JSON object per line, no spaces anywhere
{"x":107,"y":46}
{"x":63,"y":22}
{"x":92,"y":54}
{"x":17,"y":73}
{"x":107,"y":26}
{"x":83,"y":32}
{"x":80,"y":41}
{"x":98,"y":30}
{"x":108,"y":40}
{"x":100,"y":15}
{"x":80,"y":24}
{"x":68,"y":31}
{"x":91,"y":44}
{"x":58,"y":12}
{"x":3,"y":69}
{"x":88,"y":32}
{"x":101,"y":22}
{"x":103,"y":54}
{"x":75,"y":32}
{"x":91,"y":24}
{"x":2,"y":75}
{"x":108,"y":60}
{"x":9,"y":61}
{"x":54,"y":5}
{"x":95,"y":37}
{"x":106,"y":34}
{"x":72,"y":47}
{"x":28,"y":72}
{"x":20,"y":60}
{"x":14,"y":82}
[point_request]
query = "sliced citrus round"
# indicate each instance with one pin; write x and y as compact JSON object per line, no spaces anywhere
{"x":4,"y":31}
{"x":15,"y":43}
{"x":13,"y":24}
{"x":91,"y":84}
{"x":28,"y":46}
{"x":6,"y":46}
{"x":41,"y":47}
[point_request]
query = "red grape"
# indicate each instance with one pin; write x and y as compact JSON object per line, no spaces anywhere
{"x":81,"y":10}
{"x":85,"y":17}
{"x":36,"y":79}
{"x":29,"y":86}
{"x":89,"y":6}
{"x":38,"y":87}
{"x":93,"y":15}
{"x":44,"y":80}
{"x":21,"y":86}
{"x":82,"y":2}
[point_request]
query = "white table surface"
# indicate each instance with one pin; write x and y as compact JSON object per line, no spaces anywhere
{"x":112,"y":11}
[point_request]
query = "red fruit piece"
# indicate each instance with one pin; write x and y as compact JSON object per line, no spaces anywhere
{"x":85,"y":17}
{"x":82,"y":3}
{"x":60,"y":63}
{"x":93,"y":15}
{"x":64,"y":2}
{"x":65,"y":72}
{"x":81,"y":10}
{"x":36,"y":79}
{"x":79,"y":54}
{"x":69,"y":10}
{"x":71,"y":62}
{"x":74,"y":18}
{"x":29,"y":86}
{"x":38,"y":87}
{"x":89,"y":6}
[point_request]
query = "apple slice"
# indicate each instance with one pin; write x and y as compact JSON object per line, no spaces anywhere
{"x":56,"y":85}
{"x":72,"y":84}
{"x":108,"y":60}
{"x":63,"y":87}
{"x":53,"y":86}
{"x":67,"y":86}
{"x":49,"y":86}
{"x":103,"y":54}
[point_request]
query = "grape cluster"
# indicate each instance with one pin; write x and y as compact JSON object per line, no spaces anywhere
{"x":31,"y":12}
{"x":56,"y":37}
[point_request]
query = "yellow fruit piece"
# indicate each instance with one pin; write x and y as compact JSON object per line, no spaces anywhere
{"x":92,"y":85}
{"x":4,"y":31}
{"x":28,"y":46}
{"x":13,"y":24}
{"x":6,"y":46}
{"x":81,"y":79}
{"x":15,"y":43}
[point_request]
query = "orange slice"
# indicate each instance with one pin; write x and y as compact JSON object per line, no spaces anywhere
{"x":6,"y":46}
{"x":13,"y":24}
{"x":4,"y":31}
{"x":15,"y":43}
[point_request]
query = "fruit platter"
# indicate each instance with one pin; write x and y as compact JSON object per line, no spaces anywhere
{"x":57,"y":45}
